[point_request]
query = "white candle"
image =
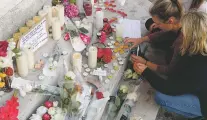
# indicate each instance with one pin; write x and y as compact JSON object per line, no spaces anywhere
{"x":99,"y":19}
{"x":119,"y":32}
{"x":56,"y":29}
{"x":22,"y":65}
{"x":61,"y":14}
{"x":49,"y":14}
{"x":92,"y":57}
{"x":30,"y":58}
{"x":77,"y":61}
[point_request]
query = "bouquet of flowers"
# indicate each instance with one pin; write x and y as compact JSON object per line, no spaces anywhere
{"x":69,"y":92}
{"x":6,"y":64}
{"x":104,"y":55}
{"x":10,"y":111}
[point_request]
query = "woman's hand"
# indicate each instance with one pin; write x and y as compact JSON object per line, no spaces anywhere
{"x":139,"y":68}
{"x":138,"y":59}
{"x":134,"y":41}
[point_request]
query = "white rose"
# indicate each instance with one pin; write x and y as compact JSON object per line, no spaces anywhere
{"x":59,"y":117}
{"x":55,"y":103}
{"x":41,"y":110}
{"x":52,"y":111}
{"x":71,"y":75}
{"x":59,"y":110}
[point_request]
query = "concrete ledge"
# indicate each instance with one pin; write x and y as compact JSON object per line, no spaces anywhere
{"x":17,"y":16}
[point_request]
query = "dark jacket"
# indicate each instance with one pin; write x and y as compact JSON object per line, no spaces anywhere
{"x":189,"y":76}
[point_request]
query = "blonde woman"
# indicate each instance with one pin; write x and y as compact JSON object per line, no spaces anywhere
{"x":185,"y":90}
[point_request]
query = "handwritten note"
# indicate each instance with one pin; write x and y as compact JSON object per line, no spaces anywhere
{"x":132,"y":28}
{"x":36,"y":37}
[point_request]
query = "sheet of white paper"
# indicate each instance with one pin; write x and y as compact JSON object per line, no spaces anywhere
{"x":132,"y":28}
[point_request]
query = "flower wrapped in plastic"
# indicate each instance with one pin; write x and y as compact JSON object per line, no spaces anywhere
{"x":69,"y":92}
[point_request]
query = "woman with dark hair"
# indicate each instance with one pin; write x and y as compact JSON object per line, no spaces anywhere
{"x":184,"y":92}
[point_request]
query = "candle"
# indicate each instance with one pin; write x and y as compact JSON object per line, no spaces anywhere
{"x":30,"y":23}
{"x":17,"y":36}
{"x":61,"y":14}
{"x":56,"y":29}
{"x":77,"y":61}
{"x":23,"y":30}
{"x":36,"y":19}
{"x":99,"y":19}
{"x":49,"y":14}
{"x":119,"y":32}
{"x":92,"y":57}
{"x":22,"y":65}
{"x":30,"y":57}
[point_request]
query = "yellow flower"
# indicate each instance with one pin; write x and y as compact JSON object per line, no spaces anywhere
{"x":2,"y":84}
{"x":2,"y":75}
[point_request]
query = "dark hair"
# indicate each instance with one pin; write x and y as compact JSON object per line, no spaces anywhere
{"x":196,"y":4}
{"x":165,"y":9}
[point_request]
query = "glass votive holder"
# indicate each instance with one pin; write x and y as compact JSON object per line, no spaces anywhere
{"x":17,"y":36}
{"x":36,"y":19}
{"x":30,"y":23}
{"x":23,"y":30}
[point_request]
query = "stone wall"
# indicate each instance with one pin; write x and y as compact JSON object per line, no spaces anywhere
{"x":14,"y":14}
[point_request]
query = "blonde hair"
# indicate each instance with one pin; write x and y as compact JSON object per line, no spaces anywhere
{"x":164,"y":9}
{"x":194,"y":29}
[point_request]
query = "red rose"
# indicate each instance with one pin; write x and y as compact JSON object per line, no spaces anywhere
{"x":107,"y":57}
{"x":9,"y":71}
{"x":3,"y":48}
{"x":100,"y":53}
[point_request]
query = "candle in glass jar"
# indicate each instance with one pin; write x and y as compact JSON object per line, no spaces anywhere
{"x":30,"y":23}
{"x":119,"y":32}
{"x":36,"y":19}
{"x":56,"y":29}
{"x":92,"y":57}
{"x":22,"y":64}
{"x":30,"y":57}
{"x":77,"y":61}
{"x":61,"y":14}
{"x":99,"y":19}
{"x":49,"y":14}
{"x":23,"y":30}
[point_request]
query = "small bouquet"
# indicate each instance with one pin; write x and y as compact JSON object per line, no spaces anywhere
{"x":6,"y":64}
{"x":104,"y":55}
{"x":49,"y":111}
{"x":10,"y":110}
